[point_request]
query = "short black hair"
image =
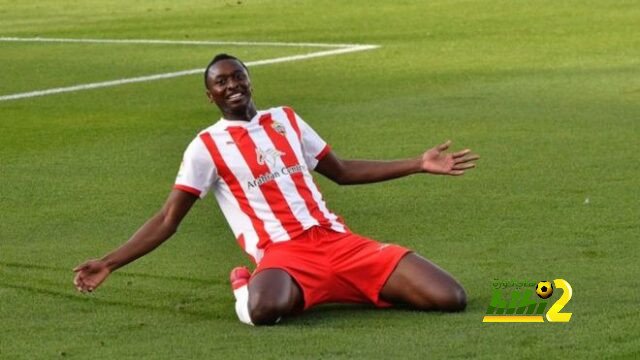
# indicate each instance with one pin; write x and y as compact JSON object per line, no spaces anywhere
{"x":220,"y":57}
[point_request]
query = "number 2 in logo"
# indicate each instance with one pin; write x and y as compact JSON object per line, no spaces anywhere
{"x":554,"y":313}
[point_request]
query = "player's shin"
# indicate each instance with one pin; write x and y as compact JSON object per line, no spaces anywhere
{"x":242,"y":304}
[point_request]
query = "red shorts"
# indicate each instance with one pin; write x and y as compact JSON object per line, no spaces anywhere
{"x":335,"y":267}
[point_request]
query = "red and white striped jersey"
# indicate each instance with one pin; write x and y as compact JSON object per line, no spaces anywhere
{"x":260,"y":173}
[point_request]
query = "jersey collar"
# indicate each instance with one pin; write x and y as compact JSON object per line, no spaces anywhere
{"x":242,"y":123}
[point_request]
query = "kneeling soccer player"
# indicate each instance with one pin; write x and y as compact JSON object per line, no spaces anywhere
{"x":258,"y":165}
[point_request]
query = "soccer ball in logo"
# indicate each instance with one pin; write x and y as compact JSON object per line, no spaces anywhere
{"x":544,"y":289}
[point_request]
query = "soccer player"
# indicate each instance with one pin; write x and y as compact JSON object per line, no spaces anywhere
{"x":258,"y":165}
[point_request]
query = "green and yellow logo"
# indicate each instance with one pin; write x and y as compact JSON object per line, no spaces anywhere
{"x":523,"y":306}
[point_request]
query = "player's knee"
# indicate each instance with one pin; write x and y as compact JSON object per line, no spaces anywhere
{"x":455,"y":299}
{"x":265,"y":309}
{"x":449,"y":298}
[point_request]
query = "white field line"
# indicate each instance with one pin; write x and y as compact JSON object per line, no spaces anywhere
{"x":342,"y":49}
{"x":173,"y":42}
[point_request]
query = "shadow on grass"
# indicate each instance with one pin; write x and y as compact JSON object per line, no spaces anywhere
{"x":116,"y":274}
{"x":329,"y":313}
{"x":88,"y":298}
{"x":69,"y":293}
{"x":318,"y":315}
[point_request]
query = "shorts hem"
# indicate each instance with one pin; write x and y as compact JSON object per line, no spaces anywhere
{"x":399,"y":256}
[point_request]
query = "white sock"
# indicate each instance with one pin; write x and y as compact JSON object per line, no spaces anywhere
{"x":242,"y":304}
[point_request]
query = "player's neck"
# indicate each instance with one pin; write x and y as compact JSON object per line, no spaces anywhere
{"x":245,"y":114}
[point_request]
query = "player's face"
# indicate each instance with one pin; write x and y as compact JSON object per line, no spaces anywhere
{"x":229,"y":86}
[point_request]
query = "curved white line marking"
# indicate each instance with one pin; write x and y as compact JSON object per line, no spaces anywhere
{"x":341,"y":49}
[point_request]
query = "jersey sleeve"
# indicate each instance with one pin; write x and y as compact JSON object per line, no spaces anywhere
{"x":313,"y":146}
{"x":197,"y":172}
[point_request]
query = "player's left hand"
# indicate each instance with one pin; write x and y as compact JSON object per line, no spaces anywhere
{"x":90,"y":274}
{"x":436,"y":161}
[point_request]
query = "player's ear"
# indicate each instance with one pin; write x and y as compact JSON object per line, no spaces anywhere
{"x":210,"y":96}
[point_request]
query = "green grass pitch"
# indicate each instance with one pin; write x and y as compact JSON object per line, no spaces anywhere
{"x":547,"y":92}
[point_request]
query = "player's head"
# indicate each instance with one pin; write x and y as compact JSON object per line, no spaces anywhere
{"x":228,"y":84}
{"x":220,"y":57}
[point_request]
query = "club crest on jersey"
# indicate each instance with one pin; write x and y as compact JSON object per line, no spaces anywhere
{"x":279,"y":128}
{"x":269,"y":156}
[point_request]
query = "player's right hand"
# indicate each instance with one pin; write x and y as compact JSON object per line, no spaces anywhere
{"x":437,"y":161}
{"x":90,"y":274}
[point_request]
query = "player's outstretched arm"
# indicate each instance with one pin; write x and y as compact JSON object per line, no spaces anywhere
{"x":90,"y":274}
{"x":434,"y":161}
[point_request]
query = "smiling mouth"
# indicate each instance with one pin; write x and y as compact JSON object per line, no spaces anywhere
{"x":235,"y":97}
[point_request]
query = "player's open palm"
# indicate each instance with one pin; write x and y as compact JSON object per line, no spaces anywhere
{"x":90,"y":275}
{"x":437,"y":161}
